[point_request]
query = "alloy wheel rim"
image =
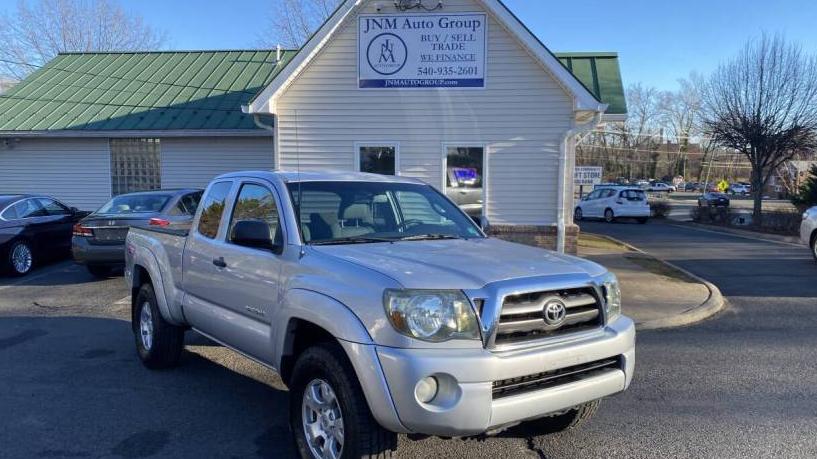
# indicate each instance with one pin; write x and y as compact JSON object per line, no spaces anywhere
{"x":146,"y":326}
{"x":322,"y":420}
{"x":608,"y":215}
{"x":21,"y":258}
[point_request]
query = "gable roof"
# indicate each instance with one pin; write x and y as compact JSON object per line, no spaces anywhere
{"x":585,"y":100}
{"x":140,"y":91}
{"x":601,"y":74}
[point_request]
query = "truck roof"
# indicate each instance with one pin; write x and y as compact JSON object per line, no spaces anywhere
{"x":323,"y":176}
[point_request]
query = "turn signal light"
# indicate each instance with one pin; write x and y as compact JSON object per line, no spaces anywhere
{"x":159,"y":222}
{"x":82,"y":231}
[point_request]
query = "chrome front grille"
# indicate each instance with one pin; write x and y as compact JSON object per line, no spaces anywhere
{"x":526,"y":316}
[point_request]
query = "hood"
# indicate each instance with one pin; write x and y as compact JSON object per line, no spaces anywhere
{"x":458,"y":264}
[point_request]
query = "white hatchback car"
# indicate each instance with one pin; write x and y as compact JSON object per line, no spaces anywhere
{"x":613,"y":203}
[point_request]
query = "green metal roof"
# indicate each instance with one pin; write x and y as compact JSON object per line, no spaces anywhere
{"x":601,"y":74}
{"x":177,"y":90}
{"x":190,"y":90}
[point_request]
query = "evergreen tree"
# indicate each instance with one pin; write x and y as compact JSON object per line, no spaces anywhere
{"x":807,"y":195}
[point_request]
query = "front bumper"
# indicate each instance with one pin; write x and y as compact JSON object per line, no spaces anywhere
{"x":466,"y":405}
{"x":89,"y":254}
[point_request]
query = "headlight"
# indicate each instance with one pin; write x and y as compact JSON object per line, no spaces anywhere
{"x":431,"y":315}
{"x":612,"y":296}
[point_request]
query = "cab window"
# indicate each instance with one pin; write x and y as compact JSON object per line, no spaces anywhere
{"x":29,"y":208}
{"x":52,"y":207}
{"x":213,"y":210}
{"x":256,"y":203}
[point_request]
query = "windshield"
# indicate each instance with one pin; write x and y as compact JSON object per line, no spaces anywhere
{"x":135,"y":204}
{"x":361,"y":212}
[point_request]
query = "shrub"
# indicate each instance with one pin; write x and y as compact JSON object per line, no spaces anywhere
{"x":807,"y":194}
{"x":660,"y":208}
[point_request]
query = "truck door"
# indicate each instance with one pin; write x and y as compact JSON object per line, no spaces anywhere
{"x":247,"y":279}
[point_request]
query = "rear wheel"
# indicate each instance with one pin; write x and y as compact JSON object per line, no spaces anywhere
{"x":578,"y":214}
{"x":569,"y":420}
{"x":158,"y":343}
{"x":609,"y":216}
{"x":643,"y":220}
{"x":20,"y":258}
{"x":328,"y":413}
{"x":99,"y":271}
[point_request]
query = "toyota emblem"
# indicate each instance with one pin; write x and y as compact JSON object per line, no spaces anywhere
{"x":554,"y":313}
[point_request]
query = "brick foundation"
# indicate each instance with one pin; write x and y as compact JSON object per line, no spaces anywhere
{"x":537,"y":236}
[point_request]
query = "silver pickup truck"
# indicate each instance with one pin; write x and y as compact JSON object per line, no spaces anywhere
{"x":384,"y":308}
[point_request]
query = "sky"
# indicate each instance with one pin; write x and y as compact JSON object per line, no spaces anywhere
{"x":658,"y":41}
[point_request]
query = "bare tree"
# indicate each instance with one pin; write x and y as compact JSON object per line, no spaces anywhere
{"x":681,"y":112}
{"x":39,"y":30}
{"x":763,"y":103}
{"x":294,"y":21}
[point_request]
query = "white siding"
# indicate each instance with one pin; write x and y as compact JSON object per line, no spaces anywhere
{"x":193,"y":162}
{"x":76,"y":171}
{"x":521,"y":117}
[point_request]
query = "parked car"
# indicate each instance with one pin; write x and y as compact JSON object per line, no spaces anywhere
{"x":739,"y":188}
{"x":808,"y":230}
{"x":384,"y":308}
{"x":99,"y":239}
{"x":692,"y":186}
{"x":661,"y":187}
{"x":34,"y":228}
{"x":612,"y":203}
{"x":713,"y":199}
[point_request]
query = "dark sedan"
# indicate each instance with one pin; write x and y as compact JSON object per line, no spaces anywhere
{"x":33,"y":228}
{"x":712,"y":199}
{"x":99,"y":239}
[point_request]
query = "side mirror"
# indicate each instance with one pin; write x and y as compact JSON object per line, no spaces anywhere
{"x":254,"y":234}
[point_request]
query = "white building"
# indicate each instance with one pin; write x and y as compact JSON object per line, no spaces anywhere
{"x":464,"y":97}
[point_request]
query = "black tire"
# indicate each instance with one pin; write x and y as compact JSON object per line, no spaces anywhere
{"x":363,"y":437}
{"x":643,"y":220}
{"x":814,"y":245}
{"x":567,"y":421}
{"x":609,"y":216}
{"x":167,"y":340}
{"x":99,"y":271}
{"x":9,"y":263}
{"x":578,"y":214}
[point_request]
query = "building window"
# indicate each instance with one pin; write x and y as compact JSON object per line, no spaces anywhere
{"x":464,"y":176}
{"x":135,"y":165}
{"x":377,"y":159}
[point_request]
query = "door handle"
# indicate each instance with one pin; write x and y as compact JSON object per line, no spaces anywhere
{"x":219,"y":262}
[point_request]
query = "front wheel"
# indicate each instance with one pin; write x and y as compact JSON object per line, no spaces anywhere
{"x":814,"y":245}
{"x":643,"y":220}
{"x":569,"y":420}
{"x":328,"y":413}
{"x":20,"y":258}
{"x":578,"y":214}
{"x":158,"y":343}
{"x":609,"y":216}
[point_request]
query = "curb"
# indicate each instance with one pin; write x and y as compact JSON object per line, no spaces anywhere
{"x":713,"y":305}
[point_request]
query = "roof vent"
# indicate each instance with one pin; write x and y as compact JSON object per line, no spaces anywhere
{"x":278,"y":54}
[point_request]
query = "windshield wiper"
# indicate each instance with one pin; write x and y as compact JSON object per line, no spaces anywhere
{"x":352,"y":240}
{"x":430,"y":237}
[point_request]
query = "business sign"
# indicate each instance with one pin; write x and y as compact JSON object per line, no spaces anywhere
{"x":423,"y":51}
{"x":587,"y":175}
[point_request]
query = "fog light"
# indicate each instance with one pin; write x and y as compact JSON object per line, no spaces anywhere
{"x":426,"y":389}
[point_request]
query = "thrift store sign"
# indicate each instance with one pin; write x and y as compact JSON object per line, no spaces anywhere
{"x":423,"y":51}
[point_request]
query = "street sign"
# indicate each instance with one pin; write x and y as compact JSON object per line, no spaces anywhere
{"x":587,"y":175}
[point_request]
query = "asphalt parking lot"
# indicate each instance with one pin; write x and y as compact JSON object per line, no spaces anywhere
{"x":742,"y":384}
